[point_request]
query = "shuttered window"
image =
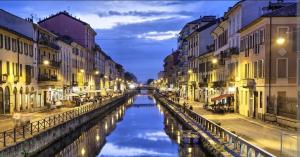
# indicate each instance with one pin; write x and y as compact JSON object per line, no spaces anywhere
{"x":282,"y":68}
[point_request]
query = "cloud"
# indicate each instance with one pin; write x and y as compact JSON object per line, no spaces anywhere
{"x":114,"y":150}
{"x":154,"y":136}
{"x":154,"y":35}
{"x":118,"y":19}
{"x":142,"y":13}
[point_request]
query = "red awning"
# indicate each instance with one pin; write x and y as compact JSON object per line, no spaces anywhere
{"x":220,"y":97}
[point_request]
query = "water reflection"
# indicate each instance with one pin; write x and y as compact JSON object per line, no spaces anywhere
{"x":146,"y":129}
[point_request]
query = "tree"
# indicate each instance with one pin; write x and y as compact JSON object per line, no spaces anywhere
{"x":130,"y":77}
{"x":149,"y":81}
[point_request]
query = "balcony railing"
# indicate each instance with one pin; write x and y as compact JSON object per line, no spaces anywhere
{"x":47,"y":78}
{"x":52,"y":63}
{"x":49,"y":44}
{"x":218,"y":84}
{"x":248,"y":83}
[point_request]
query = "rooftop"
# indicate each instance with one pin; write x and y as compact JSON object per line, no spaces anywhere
{"x":63,"y":13}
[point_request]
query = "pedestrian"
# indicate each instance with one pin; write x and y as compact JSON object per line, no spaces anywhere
{"x":191,"y":107}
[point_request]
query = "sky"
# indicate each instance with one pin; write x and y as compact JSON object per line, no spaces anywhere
{"x":136,"y":34}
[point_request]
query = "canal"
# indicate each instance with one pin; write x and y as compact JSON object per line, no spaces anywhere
{"x":140,"y":127}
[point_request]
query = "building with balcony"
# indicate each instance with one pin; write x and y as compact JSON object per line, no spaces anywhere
{"x":79,"y":68}
{"x":18,"y":86}
{"x":49,"y":79}
{"x":64,"y":24}
{"x":65,"y":71}
{"x":171,"y":70}
{"x":197,"y":45}
{"x":268,"y":58}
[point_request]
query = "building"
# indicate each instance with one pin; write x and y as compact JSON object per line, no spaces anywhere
{"x":79,"y":77}
{"x":171,"y":70}
{"x":64,"y":24}
{"x":65,"y":72}
{"x":120,"y":82}
{"x":198,"y":41}
{"x":18,"y":86}
{"x":183,"y":48}
{"x":267,"y":61}
{"x":49,"y":80}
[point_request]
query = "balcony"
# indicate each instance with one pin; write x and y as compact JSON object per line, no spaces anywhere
{"x":248,"y":83}
{"x":218,"y":84}
{"x":203,"y":84}
{"x":233,"y":51}
{"x":3,"y":78}
{"x":42,"y":78}
{"x":51,"y":63}
{"x":47,"y":43}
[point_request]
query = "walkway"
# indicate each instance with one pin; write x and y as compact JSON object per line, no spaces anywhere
{"x":262,"y":134}
{"x":7,"y":122}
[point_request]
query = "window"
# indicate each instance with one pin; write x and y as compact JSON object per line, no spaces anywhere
{"x":7,"y":43}
{"x":260,"y":99}
{"x":21,"y":47}
{"x":30,"y":50}
{"x":25,"y":49}
{"x":260,"y":69}
{"x":14,"y":45}
{"x":282,"y":68}
{"x":7,"y":68}
{"x":282,"y":32}
{"x":21,"y":70}
{"x":13,"y":68}
{"x":261,"y":36}
{"x":1,"y":41}
{"x":255,"y":69}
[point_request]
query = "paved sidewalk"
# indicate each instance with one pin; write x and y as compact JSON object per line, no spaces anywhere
{"x":262,"y":134}
{"x":7,"y":122}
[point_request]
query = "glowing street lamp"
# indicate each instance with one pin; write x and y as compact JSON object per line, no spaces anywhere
{"x":214,"y":61}
{"x":46,"y":62}
{"x":82,"y":70}
{"x":190,"y":71}
{"x":96,"y":72}
{"x":280,"y":40}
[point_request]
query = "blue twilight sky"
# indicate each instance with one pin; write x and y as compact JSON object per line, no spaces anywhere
{"x":136,"y":34}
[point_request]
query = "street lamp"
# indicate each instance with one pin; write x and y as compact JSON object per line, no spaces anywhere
{"x":96,"y":72}
{"x":190,"y":71}
{"x":280,"y":40}
{"x":46,"y":62}
{"x":82,"y":70}
{"x":214,"y":61}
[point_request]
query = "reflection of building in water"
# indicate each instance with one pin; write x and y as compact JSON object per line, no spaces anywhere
{"x":177,"y":132}
{"x":90,"y":142}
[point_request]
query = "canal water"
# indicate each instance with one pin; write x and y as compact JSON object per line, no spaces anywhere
{"x":138,"y":128}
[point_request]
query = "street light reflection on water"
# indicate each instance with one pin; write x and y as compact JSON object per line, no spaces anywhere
{"x":139,"y":129}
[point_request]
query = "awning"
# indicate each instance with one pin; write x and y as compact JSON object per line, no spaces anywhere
{"x":220,"y":97}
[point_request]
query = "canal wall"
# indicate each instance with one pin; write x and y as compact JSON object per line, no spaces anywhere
{"x":207,"y":143}
{"x":45,"y":138}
